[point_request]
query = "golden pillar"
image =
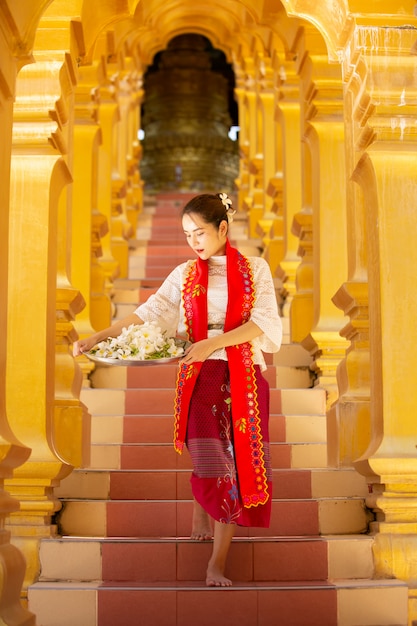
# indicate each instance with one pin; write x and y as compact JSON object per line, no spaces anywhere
{"x":57,"y":57}
{"x":12,"y":452}
{"x":31,"y":347}
{"x":253,"y":200}
{"x":265,"y":78}
{"x":270,"y":225}
{"x":114,"y":247}
{"x":388,"y":179}
{"x":289,"y":122}
{"x":349,"y":422}
{"x":121,"y":228}
{"x":126,"y":182}
{"x":131,"y":96}
{"x":324,"y":134}
{"x":379,"y":369}
{"x":88,"y":225}
{"x":47,"y":415}
{"x":98,"y":76}
{"x":242,"y":181}
{"x":302,"y":303}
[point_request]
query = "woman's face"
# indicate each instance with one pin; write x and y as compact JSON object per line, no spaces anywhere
{"x":205,"y":239}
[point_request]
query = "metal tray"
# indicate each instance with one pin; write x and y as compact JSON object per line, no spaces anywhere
{"x":139,"y":363}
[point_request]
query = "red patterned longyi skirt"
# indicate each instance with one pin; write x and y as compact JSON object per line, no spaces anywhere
{"x":215,"y":480}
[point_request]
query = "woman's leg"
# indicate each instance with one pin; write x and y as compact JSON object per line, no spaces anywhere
{"x":202,"y":528}
{"x":213,"y":481}
{"x":223,"y":535}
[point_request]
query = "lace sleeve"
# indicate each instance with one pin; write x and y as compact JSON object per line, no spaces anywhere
{"x":265,"y":310}
{"x":163,"y":307}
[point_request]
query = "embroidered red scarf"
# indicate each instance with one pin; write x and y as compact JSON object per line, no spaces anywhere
{"x":248,"y":443}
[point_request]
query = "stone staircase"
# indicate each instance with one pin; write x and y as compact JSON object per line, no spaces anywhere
{"x":123,"y":557}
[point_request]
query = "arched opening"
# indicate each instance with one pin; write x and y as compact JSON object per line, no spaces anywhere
{"x":188,"y":112}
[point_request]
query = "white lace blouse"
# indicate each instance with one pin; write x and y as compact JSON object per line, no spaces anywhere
{"x":165,"y":306}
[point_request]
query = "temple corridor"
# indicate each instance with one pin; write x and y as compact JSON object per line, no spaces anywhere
{"x":112,"y":113}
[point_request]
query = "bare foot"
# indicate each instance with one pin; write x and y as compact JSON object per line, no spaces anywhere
{"x":202,"y":530}
{"x":216,"y":578}
{"x":223,"y":535}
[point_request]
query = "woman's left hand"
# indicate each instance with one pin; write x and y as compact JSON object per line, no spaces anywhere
{"x":198,"y":351}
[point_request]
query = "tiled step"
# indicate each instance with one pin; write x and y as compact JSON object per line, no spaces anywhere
{"x":169,"y":560}
{"x":138,"y":249}
{"x":160,"y":252}
{"x":135,"y":440}
{"x":172,"y":201}
{"x":151,"y":401}
{"x":112,"y":401}
{"x":114,"y":429}
{"x":159,"y":271}
{"x":268,"y":559}
{"x":125,"y":284}
{"x":159,"y":484}
{"x":162,"y":456}
{"x":122,"y":310}
{"x":163,"y":264}
{"x":132,"y":438}
{"x":166,"y":234}
{"x":171,"y":219}
{"x":288,"y":604}
{"x":137,"y":268}
{"x":134,"y":295}
{"x":160,"y":402}
{"x":160,"y":376}
{"x":288,"y":377}
{"x":165,"y":261}
{"x":283,"y":377}
{"x":341,"y":603}
{"x":288,"y":484}
{"x":175,"y":485}
{"x":168,"y":220}
{"x":164,"y":243}
{"x":171,"y":518}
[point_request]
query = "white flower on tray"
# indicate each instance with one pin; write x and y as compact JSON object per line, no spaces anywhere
{"x":139,"y":343}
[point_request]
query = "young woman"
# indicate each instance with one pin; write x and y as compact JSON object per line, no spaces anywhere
{"x":225,"y":303}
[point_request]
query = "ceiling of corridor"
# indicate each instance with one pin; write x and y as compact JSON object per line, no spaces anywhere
{"x":237,"y":27}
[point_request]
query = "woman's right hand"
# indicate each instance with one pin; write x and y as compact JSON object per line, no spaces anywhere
{"x":83,"y":345}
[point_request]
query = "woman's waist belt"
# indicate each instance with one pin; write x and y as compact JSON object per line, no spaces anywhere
{"x":215,"y":327}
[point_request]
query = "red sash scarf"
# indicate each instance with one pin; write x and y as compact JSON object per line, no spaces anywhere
{"x":248,"y":443}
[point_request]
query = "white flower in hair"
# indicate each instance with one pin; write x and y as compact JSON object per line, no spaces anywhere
{"x":227,"y":203}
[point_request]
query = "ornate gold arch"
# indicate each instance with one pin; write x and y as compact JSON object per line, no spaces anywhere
{"x":151,"y":24}
{"x":331,"y":18}
{"x":228,"y":24}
